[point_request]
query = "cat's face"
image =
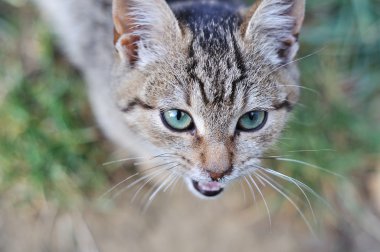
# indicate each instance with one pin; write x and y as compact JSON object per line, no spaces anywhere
{"x":211,"y":95}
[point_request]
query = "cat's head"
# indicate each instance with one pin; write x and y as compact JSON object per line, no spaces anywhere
{"x":209,"y":84}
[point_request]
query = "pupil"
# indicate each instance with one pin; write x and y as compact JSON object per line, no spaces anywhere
{"x":252,"y":116}
{"x":179,"y":115}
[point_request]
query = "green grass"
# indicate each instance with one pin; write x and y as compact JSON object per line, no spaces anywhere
{"x":50,"y":145}
{"x":49,"y":142}
{"x":342,"y":114}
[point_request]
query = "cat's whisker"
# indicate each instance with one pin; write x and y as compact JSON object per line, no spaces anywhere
{"x":295,"y":61}
{"x":304,"y":88}
{"x":117,"y":185}
{"x":286,"y":138}
{"x":175,"y":177}
{"x":262,"y":196}
{"x":284,"y":65}
{"x":243,"y":191}
{"x":317,"y":150}
{"x":289,"y":179}
{"x":157,"y":166}
{"x":278,"y":184}
{"x":136,"y":158}
{"x":296,"y":151}
{"x":164,"y":182}
{"x":163,"y":169}
{"x":273,"y":157}
{"x":150,"y":176}
{"x":144,"y":199}
{"x":261,"y":182}
{"x":309,"y":165}
{"x":299,"y":184}
{"x":140,"y":188}
{"x":150,"y":161}
{"x":290,"y":200}
{"x":122,"y":160}
{"x":250,"y":188}
{"x":154,"y":160}
{"x":175,"y":184}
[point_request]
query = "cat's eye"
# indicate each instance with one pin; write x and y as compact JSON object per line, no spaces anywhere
{"x":177,"y":120}
{"x":252,"y":121}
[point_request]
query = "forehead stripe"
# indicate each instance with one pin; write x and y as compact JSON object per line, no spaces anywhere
{"x":136,"y":102}
{"x":191,"y":72}
{"x":240,"y":65}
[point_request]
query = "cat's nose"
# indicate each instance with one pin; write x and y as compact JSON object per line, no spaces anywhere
{"x":216,"y":160}
{"x":216,"y":176}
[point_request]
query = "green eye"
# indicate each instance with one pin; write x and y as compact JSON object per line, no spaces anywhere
{"x":252,"y":121}
{"x":177,"y":120}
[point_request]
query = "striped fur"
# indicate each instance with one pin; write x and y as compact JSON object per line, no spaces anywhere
{"x":213,"y":59}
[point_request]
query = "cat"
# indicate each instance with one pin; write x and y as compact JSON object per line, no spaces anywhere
{"x":203,"y":88}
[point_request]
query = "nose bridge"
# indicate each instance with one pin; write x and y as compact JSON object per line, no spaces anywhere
{"x":217,"y":157}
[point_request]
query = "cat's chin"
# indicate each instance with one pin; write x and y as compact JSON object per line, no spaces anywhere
{"x":205,"y":190}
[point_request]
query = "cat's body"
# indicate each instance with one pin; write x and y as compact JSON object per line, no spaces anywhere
{"x":205,"y":84}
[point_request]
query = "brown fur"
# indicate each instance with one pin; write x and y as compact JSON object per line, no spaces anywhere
{"x":198,"y":81}
{"x":206,"y":58}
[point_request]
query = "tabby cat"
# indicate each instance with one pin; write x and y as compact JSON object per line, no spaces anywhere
{"x":201,"y":88}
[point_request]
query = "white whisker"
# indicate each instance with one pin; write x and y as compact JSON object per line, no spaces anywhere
{"x":243,"y":190}
{"x":148,"y":176}
{"x":157,"y":166}
{"x":153,"y":159}
{"x":118,"y":184}
{"x":289,"y":179}
{"x":157,"y":190}
{"x":153,"y":195}
{"x":291,"y":201}
{"x":282,"y":66}
{"x":174,"y":184}
{"x":121,"y":160}
{"x":319,"y":150}
{"x":136,"y":158}
{"x":251,"y":189}
{"x":299,"y":184}
{"x":304,"y":88}
{"x":265,"y":202}
{"x":141,"y":187}
{"x":278,"y":184}
{"x":294,"y":61}
{"x":261,"y":182}
{"x":171,"y":182}
{"x":309,"y":165}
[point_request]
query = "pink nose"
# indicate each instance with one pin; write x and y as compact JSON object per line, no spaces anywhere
{"x":215,"y":176}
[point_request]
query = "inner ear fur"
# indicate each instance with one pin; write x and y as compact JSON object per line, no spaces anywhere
{"x":124,"y":25}
{"x":278,"y":22}
{"x":142,"y":23}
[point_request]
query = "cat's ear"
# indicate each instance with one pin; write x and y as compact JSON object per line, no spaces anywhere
{"x":273,"y":26}
{"x":143,"y":30}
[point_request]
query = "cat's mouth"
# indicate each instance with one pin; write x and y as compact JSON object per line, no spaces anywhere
{"x":208,"y":189}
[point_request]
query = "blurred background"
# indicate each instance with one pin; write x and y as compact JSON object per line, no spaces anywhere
{"x":52,"y":154}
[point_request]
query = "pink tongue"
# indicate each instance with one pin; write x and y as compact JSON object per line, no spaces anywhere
{"x":209,"y":186}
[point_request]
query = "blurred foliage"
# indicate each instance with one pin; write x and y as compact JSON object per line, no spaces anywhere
{"x":339,"y":112}
{"x":48,"y":140}
{"x":49,"y":144}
